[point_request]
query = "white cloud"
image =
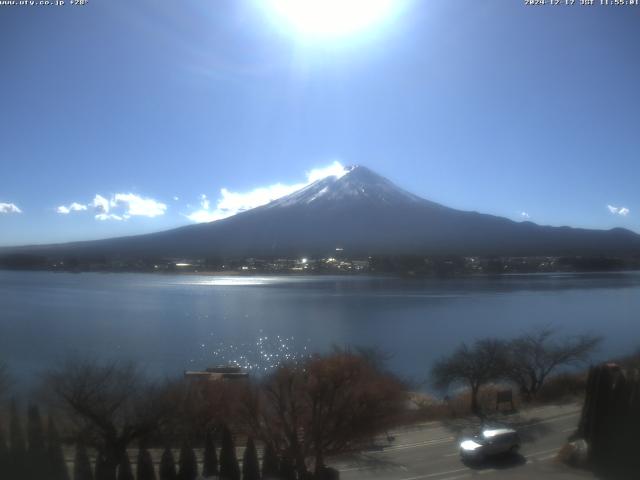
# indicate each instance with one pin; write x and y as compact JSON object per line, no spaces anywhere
{"x":176,"y":198}
{"x":622,"y":211}
{"x":120,"y":206}
{"x":203,"y":216}
{"x":9,"y":208}
{"x":336,"y":169}
{"x":138,"y":206}
{"x":101,"y":204}
{"x":110,"y":216}
{"x":525,"y":215}
{"x":230,"y":203}
{"x":74,"y":207}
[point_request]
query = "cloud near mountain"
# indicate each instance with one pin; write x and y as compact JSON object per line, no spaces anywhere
{"x":621,"y":211}
{"x":230,"y":203}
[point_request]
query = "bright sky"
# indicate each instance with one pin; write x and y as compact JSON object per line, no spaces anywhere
{"x":124,"y":117}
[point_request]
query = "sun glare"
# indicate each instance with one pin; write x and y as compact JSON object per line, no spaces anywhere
{"x":330,"y":18}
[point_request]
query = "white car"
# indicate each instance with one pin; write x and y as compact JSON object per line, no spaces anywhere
{"x":491,"y":441}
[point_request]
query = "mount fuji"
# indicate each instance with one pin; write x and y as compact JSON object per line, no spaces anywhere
{"x":362,"y":213}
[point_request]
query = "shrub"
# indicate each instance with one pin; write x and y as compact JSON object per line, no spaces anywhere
{"x":563,"y":387}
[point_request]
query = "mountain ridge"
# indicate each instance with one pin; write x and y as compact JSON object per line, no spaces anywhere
{"x":362,"y":213}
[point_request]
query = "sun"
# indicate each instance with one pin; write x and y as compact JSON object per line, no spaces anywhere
{"x":330,"y":18}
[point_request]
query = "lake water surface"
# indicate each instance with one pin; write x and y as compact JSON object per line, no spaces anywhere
{"x":169,"y":323}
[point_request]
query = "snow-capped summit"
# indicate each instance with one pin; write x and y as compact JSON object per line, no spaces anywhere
{"x":356,"y":184}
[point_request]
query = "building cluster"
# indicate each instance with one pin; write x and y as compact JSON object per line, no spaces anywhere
{"x":267,"y":265}
{"x":337,"y":262}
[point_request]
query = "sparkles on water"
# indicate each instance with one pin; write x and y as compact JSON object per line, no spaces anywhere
{"x":259,"y":356}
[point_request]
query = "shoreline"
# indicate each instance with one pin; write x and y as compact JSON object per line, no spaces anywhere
{"x":235,"y":273}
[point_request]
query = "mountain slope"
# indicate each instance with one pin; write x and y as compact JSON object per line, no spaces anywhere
{"x":365,"y":214}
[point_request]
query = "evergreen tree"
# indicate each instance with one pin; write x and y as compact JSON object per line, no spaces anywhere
{"x":144,"y":470}
{"x":210,"y":467}
{"x":229,"y":469}
{"x":124,"y":469}
{"x":250,"y":466}
{"x":102,"y":470}
{"x":188,"y":463}
{"x":270,"y":468}
{"x":82,"y":464}
{"x":4,"y":453}
{"x":17,"y":448}
{"x":167,"y":466}
{"x":56,"y":465}
{"x":287,"y":471}
{"x":37,"y":449}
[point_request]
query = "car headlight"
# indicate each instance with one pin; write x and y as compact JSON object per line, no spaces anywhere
{"x":469,"y":445}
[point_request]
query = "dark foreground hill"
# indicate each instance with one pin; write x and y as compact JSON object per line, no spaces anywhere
{"x":362,"y":213}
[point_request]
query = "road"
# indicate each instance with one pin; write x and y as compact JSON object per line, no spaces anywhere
{"x":429,"y":451}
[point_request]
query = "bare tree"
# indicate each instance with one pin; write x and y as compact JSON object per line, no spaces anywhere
{"x":200,"y":406}
{"x":110,"y":405}
{"x":325,"y":405}
{"x":472,"y":366}
{"x":533,"y":356}
{"x":378,"y":357}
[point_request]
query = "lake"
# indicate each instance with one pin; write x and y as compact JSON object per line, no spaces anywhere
{"x":170,"y":323}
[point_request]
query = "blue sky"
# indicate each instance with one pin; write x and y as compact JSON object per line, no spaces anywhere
{"x":150,"y":106}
